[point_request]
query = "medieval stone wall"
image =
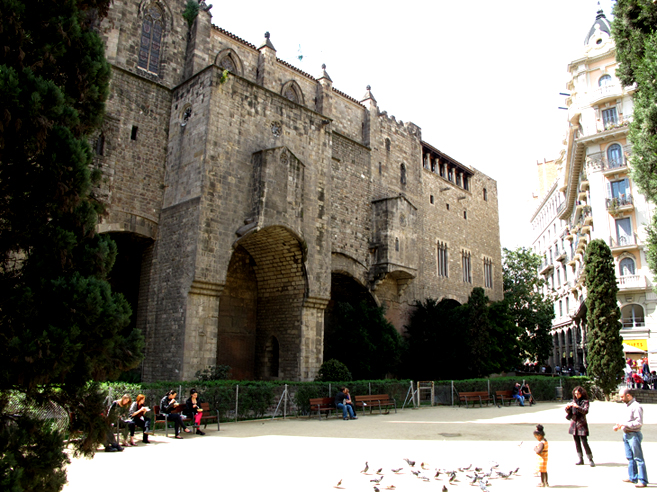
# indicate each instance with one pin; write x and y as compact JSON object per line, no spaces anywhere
{"x":256,"y":188}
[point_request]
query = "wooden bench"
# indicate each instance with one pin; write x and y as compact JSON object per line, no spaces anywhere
{"x":208,"y":416}
{"x":505,"y":396}
{"x":374,"y":400}
{"x":320,"y":405}
{"x":474,"y":396}
{"x":159,"y":418}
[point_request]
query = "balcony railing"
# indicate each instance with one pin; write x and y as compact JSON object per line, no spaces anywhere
{"x":601,"y":160}
{"x":621,"y":241}
{"x":632,"y":282}
{"x":617,"y":202}
{"x":633,"y":322}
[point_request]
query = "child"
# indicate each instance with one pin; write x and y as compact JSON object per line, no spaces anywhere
{"x":541,"y":450}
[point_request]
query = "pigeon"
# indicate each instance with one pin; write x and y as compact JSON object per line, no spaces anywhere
{"x":483,"y":487}
{"x":376,"y":480}
{"x":424,"y":466}
{"x":378,"y":472}
{"x":416,"y":473}
{"x":515,"y":472}
{"x":503,"y":475}
{"x":477,"y":469}
{"x":396,"y":470}
{"x":376,"y":489}
{"x":444,"y":488}
{"x":425,"y":479}
{"x":367,"y":467}
{"x":339,"y":483}
{"x":391,"y":487}
{"x":452,"y":478}
{"x":467,"y":467}
{"x":410,"y":463}
{"x":437,"y":474}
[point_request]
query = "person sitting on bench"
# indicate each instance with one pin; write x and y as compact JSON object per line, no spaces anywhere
{"x":342,"y":401}
{"x":167,"y":407}
{"x":517,"y":395}
{"x":194,"y":411}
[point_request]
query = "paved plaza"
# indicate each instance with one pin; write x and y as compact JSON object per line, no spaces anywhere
{"x":311,"y":455}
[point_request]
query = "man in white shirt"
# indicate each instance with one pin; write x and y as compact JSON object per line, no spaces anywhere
{"x":632,"y":438}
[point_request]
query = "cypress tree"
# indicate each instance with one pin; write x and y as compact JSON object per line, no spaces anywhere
{"x":61,"y":326}
{"x":605,"y":345}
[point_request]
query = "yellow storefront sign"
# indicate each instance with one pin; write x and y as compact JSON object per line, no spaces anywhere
{"x":640,"y":344}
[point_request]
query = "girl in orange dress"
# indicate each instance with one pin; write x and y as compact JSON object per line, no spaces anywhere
{"x":541,"y":450}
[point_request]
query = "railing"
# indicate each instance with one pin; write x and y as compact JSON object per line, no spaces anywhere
{"x":604,"y":91}
{"x":632,"y":282}
{"x":618,"y":201}
{"x":600,"y":159}
{"x":633,"y":322}
{"x":623,"y":241}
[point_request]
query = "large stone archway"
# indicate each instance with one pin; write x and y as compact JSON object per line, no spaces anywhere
{"x":262,"y":320}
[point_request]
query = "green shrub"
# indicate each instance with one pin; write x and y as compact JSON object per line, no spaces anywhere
{"x":333,"y":370}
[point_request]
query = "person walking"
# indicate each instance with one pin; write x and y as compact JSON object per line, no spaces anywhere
{"x":576,"y":412}
{"x":632,"y":437}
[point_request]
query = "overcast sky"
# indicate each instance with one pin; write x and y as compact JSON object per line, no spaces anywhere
{"x":481,"y":78}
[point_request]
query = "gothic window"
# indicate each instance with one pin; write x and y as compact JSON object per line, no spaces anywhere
{"x":402,"y":177}
{"x":227,"y":63}
{"x":443,"y":258}
{"x":488,"y":273}
{"x":466,"y":266}
{"x":292,"y":92}
{"x":151,"y":39}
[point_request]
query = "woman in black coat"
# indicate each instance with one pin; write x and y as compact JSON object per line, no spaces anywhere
{"x":576,"y":412}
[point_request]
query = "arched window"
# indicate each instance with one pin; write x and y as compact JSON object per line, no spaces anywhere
{"x":151,"y":39}
{"x":604,"y":80}
{"x":402,"y":170}
{"x":292,"y":91}
{"x":626,"y":267}
{"x":615,"y":156}
{"x":632,"y":316}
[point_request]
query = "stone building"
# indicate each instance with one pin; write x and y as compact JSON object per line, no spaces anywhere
{"x":593,"y":197}
{"x":246,"y":196}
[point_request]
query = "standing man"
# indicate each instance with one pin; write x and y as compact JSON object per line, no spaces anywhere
{"x":632,"y":438}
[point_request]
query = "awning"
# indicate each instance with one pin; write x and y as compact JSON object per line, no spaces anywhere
{"x":629,"y":349}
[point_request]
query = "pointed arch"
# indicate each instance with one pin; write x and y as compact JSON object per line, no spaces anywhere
{"x":229,"y":60}
{"x":155,"y":22}
{"x":293,"y":92}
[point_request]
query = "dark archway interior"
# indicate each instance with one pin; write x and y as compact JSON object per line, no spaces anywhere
{"x":126,"y":275}
{"x":259,"y":325}
{"x":344,"y":288}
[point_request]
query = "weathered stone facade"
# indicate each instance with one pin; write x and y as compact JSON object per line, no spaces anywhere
{"x":249,"y":195}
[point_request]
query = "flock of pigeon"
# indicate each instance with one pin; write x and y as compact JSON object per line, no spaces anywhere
{"x":468,"y":475}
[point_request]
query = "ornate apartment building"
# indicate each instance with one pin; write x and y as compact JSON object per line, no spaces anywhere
{"x":587,"y":193}
{"x":247,"y":196}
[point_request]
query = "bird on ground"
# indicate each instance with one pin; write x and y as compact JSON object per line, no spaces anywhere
{"x":339,"y":483}
{"x":376,"y":489}
{"x":415,"y":472}
{"x":425,"y":479}
{"x":515,"y":472}
{"x":482,"y":486}
{"x":396,"y":470}
{"x":444,"y":488}
{"x":376,"y":480}
{"x":477,"y":469}
{"x":391,"y":487}
{"x":437,"y":474}
{"x":378,"y":472}
{"x":424,"y":466}
{"x":410,"y":463}
{"x":452,"y":478}
{"x":367,"y":467}
{"x":503,"y":475}
{"x":465,"y":468}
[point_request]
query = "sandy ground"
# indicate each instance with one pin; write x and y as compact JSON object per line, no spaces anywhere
{"x":308,"y":454}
